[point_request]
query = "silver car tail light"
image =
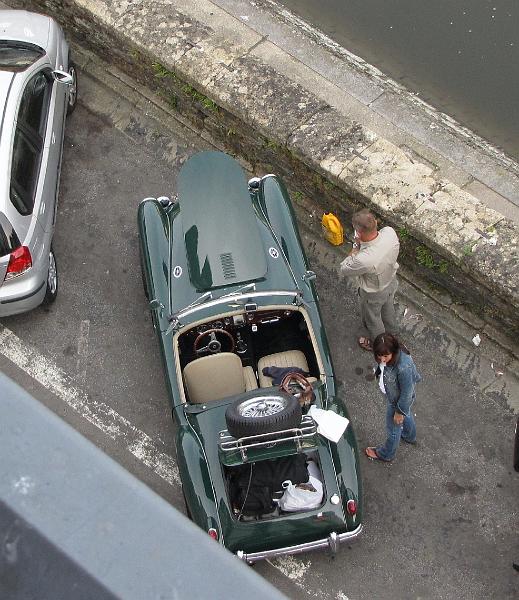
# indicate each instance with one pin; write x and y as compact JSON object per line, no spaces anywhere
{"x":20,"y":260}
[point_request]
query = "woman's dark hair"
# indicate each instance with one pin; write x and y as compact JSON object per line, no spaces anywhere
{"x":384,"y":344}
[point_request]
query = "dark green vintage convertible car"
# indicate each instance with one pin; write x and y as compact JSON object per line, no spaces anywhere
{"x":235,"y":309}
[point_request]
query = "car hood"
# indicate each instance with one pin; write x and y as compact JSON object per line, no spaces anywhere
{"x":223,"y":244}
{"x":24,"y":26}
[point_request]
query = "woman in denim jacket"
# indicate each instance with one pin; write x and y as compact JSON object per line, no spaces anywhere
{"x":398,"y":377}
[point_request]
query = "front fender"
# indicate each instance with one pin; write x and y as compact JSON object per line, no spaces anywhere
{"x":154,"y":237}
{"x":62,"y":59}
{"x":274,"y":202}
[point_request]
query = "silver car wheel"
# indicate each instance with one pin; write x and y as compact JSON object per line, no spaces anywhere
{"x":72,"y":89}
{"x":52,"y":277}
{"x":262,"y":407}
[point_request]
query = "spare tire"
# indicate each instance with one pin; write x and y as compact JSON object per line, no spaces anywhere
{"x":263,"y":414}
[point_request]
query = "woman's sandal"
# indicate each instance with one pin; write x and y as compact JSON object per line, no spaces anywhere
{"x":365,"y":344}
{"x":371,"y":453}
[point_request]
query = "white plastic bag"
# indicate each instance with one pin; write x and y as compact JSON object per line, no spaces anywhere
{"x":299,"y":497}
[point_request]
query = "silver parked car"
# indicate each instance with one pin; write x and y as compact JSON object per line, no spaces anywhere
{"x":38,"y":88}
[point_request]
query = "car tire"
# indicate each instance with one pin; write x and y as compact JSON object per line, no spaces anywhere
{"x":73,"y":88}
{"x":143,"y":276}
{"x":263,"y":414}
{"x":51,"y":291}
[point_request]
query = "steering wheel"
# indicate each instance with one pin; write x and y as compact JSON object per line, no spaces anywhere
{"x":213,"y":345}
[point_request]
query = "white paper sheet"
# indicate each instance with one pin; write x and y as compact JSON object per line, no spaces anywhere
{"x":329,"y":424}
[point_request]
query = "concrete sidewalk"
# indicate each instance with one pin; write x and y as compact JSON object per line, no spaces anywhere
{"x":288,"y":100}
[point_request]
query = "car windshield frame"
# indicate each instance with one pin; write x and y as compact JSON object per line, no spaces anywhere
{"x":236,"y":299}
{"x":20,"y":51}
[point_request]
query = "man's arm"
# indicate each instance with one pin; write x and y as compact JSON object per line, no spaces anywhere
{"x":353,"y":265}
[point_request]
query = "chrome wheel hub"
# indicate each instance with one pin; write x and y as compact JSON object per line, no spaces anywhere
{"x":261,"y":407}
{"x":72,"y":90}
{"x":52,"y":277}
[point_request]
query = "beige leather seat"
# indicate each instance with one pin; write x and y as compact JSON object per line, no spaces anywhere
{"x":290,"y":358}
{"x":217,"y":376}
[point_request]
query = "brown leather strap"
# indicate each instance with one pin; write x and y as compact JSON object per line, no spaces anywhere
{"x":307,"y":393}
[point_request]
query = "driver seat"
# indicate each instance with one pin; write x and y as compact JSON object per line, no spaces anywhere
{"x":217,"y":376}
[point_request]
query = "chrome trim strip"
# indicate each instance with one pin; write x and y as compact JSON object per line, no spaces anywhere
{"x":332,"y":542}
{"x":230,"y":298}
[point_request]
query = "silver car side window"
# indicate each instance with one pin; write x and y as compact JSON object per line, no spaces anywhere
{"x":28,"y":142}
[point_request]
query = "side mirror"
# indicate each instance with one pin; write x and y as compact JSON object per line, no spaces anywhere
{"x":63,"y":77}
{"x":309,"y":276}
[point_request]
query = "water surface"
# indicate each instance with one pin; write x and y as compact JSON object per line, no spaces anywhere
{"x":460,"y":56}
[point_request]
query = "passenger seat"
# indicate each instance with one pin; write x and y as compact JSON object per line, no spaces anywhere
{"x":290,"y":358}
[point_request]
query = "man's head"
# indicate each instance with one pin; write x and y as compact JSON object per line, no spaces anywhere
{"x":365,"y":224}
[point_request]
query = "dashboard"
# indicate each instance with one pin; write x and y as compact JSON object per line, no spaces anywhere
{"x":238,"y":321}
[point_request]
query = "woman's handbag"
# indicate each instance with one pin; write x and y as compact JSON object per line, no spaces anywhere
{"x":298,"y":385}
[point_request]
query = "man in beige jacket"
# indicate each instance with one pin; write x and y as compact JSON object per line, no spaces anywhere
{"x":373,"y":263}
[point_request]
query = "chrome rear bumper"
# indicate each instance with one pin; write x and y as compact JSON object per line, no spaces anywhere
{"x":332,"y":542}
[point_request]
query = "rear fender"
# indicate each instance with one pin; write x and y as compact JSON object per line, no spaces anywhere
{"x":345,"y":455}
{"x":196,"y":481}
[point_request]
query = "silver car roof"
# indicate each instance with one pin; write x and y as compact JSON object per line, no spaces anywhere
{"x":24,"y":26}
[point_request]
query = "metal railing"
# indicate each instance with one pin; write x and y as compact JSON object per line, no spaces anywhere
{"x":300,"y":437}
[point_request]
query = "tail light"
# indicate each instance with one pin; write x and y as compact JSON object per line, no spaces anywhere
{"x":351,"y":507}
{"x":19,"y":262}
{"x":213,"y":533}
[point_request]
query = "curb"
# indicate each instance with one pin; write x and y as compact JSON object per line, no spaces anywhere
{"x":203,"y":63}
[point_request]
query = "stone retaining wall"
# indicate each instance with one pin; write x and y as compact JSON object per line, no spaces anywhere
{"x":195,"y":58}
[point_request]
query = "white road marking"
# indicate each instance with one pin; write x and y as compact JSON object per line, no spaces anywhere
{"x":82,"y":350}
{"x":100,"y":414}
{"x":292,"y":567}
{"x":23,"y":485}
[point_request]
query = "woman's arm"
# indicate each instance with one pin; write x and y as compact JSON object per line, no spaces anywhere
{"x":406,"y":384}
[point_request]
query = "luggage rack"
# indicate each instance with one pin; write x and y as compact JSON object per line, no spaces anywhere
{"x":268,"y":445}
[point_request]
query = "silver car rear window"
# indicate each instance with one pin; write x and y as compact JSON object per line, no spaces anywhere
{"x":17,"y":56}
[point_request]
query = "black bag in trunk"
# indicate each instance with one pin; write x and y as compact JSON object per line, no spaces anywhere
{"x":252,"y":486}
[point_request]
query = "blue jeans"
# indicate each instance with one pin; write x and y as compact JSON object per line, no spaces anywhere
{"x":394,"y":432}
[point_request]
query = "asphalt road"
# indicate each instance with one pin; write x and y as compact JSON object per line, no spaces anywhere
{"x":440,"y":522}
